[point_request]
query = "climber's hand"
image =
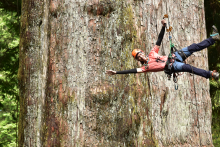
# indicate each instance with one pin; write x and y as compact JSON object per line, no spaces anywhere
{"x":110,"y":72}
{"x":163,"y":22}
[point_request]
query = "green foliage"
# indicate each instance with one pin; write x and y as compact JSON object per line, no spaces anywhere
{"x":9,"y":47}
{"x":8,"y":117}
{"x":213,"y":18}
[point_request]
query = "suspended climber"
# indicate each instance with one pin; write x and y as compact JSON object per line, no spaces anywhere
{"x":155,"y":63}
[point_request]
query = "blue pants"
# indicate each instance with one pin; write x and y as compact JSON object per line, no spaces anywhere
{"x":182,"y":67}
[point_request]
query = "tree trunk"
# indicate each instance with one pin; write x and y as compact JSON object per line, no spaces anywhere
{"x":66,"y":99}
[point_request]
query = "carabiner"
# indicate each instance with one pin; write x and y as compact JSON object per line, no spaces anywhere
{"x":176,"y":86}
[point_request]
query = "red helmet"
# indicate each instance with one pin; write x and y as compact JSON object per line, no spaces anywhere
{"x":135,"y":52}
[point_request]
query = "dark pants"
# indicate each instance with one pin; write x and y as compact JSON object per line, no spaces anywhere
{"x":181,"y":67}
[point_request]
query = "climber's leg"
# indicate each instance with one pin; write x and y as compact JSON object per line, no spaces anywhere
{"x":177,"y":66}
{"x":202,"y":45}
{"x":182,"y":67}
{"x":187,"y":51}
{"x":205,"y":43}
{"x":197,"y":71}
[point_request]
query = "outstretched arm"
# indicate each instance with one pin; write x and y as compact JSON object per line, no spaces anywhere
{"x":160,"y":37}
{"x":135,"y":70}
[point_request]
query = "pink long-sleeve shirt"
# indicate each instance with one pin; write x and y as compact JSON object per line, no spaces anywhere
{"x":156,"y":62}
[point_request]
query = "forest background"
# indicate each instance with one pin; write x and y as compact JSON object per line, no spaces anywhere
{"x":10,"y":11}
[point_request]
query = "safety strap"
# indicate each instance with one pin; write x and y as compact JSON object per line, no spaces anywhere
{"x":181,"y":53}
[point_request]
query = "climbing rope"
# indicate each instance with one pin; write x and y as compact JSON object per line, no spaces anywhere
{"x":170,"y":56}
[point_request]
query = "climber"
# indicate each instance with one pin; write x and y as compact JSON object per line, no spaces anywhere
{"x":155,"y":63}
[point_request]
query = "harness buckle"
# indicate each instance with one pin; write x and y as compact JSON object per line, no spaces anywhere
{"x":181,"y":53}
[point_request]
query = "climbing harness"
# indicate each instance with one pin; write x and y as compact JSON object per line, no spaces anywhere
{"x":159,"y":60}
{"x":171,"y":59}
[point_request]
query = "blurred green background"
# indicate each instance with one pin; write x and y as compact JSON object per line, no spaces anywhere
{"x":9,"y":55}
{"x":212,"y":15}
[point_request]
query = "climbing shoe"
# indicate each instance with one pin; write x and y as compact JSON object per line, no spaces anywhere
{"x":215,"y":34}
{"x":215,"y":75}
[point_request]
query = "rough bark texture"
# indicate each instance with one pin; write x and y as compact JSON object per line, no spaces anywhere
{"x":67,"y":100}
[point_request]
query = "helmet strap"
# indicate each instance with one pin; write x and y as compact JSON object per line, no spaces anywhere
{"x":137,"y":54}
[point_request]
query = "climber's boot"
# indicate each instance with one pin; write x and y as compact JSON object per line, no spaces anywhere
{"x":215,"y":75}
{"x":215,"y":34}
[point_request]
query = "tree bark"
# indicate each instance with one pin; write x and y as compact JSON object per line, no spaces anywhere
{"x":66,"y":99}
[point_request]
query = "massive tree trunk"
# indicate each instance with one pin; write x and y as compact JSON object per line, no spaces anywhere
{"x":67,"y":100}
